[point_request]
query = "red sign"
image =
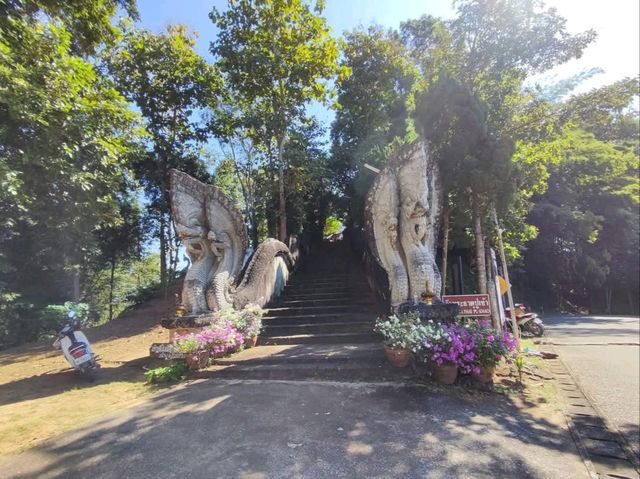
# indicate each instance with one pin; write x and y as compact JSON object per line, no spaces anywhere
{"x":470,"y":304}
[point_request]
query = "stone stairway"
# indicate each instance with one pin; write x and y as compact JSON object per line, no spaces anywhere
{"x":327,"y":301}
{"x":320,"y":328}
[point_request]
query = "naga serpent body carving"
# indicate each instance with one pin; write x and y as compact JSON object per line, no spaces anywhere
{"x":215,"y":238}
{"x":401,"y":218}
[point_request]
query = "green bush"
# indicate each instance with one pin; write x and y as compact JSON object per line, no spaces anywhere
{"x":173,"y":372}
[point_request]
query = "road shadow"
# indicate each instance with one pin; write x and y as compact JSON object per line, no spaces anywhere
{"x":61,"y":380}
{"x":309,"y":429}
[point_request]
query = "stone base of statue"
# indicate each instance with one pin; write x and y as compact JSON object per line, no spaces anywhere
{"x":437,"y":311}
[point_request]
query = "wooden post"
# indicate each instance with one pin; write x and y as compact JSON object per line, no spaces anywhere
{"x":503,"y":259}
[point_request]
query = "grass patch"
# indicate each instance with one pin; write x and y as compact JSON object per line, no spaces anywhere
{"x":26,"y":423}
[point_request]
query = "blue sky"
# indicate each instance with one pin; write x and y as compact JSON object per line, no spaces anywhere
{"x":616,"y":50}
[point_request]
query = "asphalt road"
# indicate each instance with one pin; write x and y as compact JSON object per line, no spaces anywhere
{"x":311,"y":429}
{"x":603,"y":354}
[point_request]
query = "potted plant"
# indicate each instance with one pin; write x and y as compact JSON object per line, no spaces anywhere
{"x":194,"y":348}
{"x":251,"y":324}
{"x":448,"y":348}
{"x":490,"y":347}
{"x":221,"y":337}
{"x":401,"y":334}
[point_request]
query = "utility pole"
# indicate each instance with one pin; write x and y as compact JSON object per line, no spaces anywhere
{"x":514,"y":322}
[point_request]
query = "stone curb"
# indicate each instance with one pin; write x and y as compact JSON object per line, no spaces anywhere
{"x":604,"y":450}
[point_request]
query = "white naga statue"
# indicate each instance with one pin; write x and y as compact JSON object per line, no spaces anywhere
{"x":215,"y":237}
{"x":401,"y":221}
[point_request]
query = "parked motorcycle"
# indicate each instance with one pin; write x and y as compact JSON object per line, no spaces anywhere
{"x":527,"y":321}
{"x":76,"y":348}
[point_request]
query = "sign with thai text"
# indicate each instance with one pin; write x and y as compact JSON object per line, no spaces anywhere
{"x":470,"y":304}
{"x":164,"y":351}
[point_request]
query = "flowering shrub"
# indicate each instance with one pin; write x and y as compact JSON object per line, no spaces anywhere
{"x":467,"y":346}
{"x":248,"y":320}
{"x":491,"y":345}
{"x":188,"y":343}
{"x":403,"y":331}
{"x":449,"y":344}
{"x":221,"y":337}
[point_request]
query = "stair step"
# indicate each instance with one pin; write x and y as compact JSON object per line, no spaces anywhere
{"x":317,"y":316}
{"x":320,"y":338}
{"x":301,"y":310}
{"x":313,"y":296}
{"x":305,"y":353}
{"x":323,"y":302}
{"x":313,"y":283}
{"x":294,"y":329}
{"x":318,"y":319}
{"x":327,"y":289}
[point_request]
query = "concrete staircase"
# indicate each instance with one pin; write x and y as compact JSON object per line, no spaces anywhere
{"x":327,"y":301}
{"x":321,"y":327}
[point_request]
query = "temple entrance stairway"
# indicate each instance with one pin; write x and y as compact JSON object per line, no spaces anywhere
{"x":321,"y":327}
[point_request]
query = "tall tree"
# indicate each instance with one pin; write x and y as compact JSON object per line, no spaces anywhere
{"x":88,"y":23}
{"x":276,"y":55}
{"x":587,"y":245}
{"x":490,"y":48}
{"x":372,"y":109}
{"x":171,"y":85}
{"x":66,"y":140}
{"x":120,"y":241}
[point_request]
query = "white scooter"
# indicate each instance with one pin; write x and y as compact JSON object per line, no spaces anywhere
{"x":76,"y":348}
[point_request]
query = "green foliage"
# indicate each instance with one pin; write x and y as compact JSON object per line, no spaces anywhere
{"x":89,"y":23}
{"x":607,"y":112}
{"x":171,"y":85}
{"x":372,"y":109}
{"x":332,"y":226}
{"x":588,"y":227}
{"x":67,"y":139}
{"x":275,"y":56}
{"x":176,"y":371}
{"x":134,"y":281}
{"x":403,"y":331}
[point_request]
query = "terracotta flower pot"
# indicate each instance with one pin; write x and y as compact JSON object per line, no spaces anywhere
{"x":197,"y":360}
{"x":398,"y":357}
{"x":485,"y":375}
{"x":445,"y":373}
{"x":251,"y":341}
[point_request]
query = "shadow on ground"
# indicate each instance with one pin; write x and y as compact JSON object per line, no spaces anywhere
{"x":309,"y":429}
{"x":58,"y":382}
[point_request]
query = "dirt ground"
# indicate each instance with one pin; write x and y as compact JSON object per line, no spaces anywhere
{"x":41,"y":396}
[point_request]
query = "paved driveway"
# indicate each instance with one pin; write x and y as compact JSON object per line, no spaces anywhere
{"x":260,"y":429}
{"x":603,"y":354}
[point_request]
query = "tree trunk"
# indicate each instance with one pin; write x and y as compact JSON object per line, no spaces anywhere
{"x":163,"y":253}
{"x":170,"y":248}
{"x":481,"y":266}
{"x":631,"y":299}
{"x":111,"y":285}
{"x":177,"y":243}
{"x":282,"y":233}
{"x":493,"y":292}
{"x":445,"y":248}
{"x":76,"y":284}
{"x":608,"y":293}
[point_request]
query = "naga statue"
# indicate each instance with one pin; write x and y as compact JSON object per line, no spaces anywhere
{"x":401,"y":222}
{"x":215,"y":238}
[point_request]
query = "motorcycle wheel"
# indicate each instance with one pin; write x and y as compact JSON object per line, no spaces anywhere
{"x":88,"y":374}
{"x":534,"y":328}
